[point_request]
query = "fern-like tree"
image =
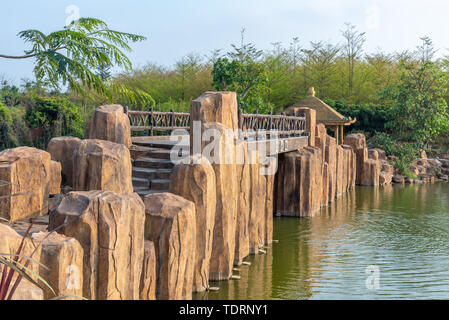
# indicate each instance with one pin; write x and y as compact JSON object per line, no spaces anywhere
{"x":72,"y":57}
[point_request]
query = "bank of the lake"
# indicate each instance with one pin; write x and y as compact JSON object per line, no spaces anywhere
{"x":402,"y":230}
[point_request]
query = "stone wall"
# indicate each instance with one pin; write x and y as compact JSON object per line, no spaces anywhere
{"x":310,"y":178}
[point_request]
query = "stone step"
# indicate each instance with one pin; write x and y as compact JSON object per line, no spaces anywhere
{"x":159,"y":184}
{"x":138,"y":152}
{"x":152,"y":163}
{"x":141,"y":183}
{"x":143,"y":193}
{"x":151,"y":174}
{"x":163,"y":144}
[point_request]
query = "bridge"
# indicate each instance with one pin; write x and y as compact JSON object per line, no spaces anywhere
{"x":152,"y":166}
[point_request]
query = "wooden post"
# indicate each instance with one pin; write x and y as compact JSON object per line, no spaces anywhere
{"x":336,"y":134}
{"x":172,"y":121}
{"x":342,"y":138}
{"x":150,"y":122}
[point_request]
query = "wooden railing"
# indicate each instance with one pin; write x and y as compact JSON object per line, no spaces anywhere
{"x":251,"y":125}
{"x":152,"y":121}
{"x":284,"y":126}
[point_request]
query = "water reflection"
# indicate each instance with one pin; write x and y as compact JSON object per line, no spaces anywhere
{"x":401,"y":230}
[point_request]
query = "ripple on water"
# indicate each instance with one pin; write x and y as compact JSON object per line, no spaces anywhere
{"x":401,"y":230}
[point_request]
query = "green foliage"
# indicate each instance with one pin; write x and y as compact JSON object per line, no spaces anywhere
{"x":418,"y":110}
{"x":5,"y":115}
{"x":9,"y":95}
{"x":247,"y":77}
{"x":72,"y":57}
{"x":55,"y":114}
{"x":403,"y":153}
{"x":370,"y":117}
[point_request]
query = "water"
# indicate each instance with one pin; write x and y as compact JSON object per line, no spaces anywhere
{"x":401,"y":231}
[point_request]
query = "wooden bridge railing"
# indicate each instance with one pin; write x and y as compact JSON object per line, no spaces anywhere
{"x":251,"y":124}
{"x":285,"y":126}
{"x":152,"y":121}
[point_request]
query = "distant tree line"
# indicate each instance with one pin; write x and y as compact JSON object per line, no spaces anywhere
{"x":404,"y":94}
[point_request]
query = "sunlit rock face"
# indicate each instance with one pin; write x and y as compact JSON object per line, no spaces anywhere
{"x":25,"y":180}
{"x":110,"y":228}
{"x":62,"y":149}
{"x":171,"y":225}
{"x":109,"y":123}
{"x":195,"y":181}
{"x":102,"y":165}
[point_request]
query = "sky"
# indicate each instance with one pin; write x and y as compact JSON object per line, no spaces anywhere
{"x":175,"y":28}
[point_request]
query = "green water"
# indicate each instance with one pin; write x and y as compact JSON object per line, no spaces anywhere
{"x":402,"y":231}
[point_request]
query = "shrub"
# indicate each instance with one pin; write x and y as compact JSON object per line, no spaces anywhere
{"x":56,"y":115}
{"x":404,"y":152}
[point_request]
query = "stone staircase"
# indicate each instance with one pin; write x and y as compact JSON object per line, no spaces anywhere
{"x":152,"y":166}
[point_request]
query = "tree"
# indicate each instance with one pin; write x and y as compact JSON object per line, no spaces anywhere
{"x":418,"y":109}
{"x":319,"y":65}
{"x":72,"y":55}
{"x":352,"y":50}
{"x":241,"y":72}
{"x":56,"y":115}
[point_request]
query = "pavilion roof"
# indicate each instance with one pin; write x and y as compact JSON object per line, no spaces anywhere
{"x":324,"y":113}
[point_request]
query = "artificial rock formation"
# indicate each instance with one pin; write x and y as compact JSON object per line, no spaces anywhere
{"x":312,"y":177}
{"x":63,"y":149}
{"x":149,"y":278}
{"x":63,"y":260}
{"x":110,"y":228}
{"x":217,"y":113}
{"x":102,"y":165}
{"x":269,"y":209}
{"x":243,"y":205}
{"x":358,"y":142}
{"x":330,"y":157}
{"x":170,"y":224}
{"x":55,"y":177}
{"x":370,"y":162}
{"x":25,"y":177}
{"x":370,"y":173}
{"x":109,"y":123}
{"x":255,"y":203}
{"x":195,"y":181}
{"x":10,"y":241}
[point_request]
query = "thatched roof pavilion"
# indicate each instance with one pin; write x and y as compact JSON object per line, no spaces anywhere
{"x":324,"y":114}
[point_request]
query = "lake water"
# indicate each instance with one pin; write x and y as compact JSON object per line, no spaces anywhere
{"x":372,"y":243}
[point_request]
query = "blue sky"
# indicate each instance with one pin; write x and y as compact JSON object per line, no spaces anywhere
{"x":175,"y":28}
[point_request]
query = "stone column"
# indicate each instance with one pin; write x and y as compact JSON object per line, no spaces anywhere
{"x":310,"y":115}
{"x":216,"y":112}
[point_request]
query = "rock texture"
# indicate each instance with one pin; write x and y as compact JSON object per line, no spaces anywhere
{"x":149,"y":277}
{"x":195,"y":181}
{"x":63,"y":149}
{"x":255,"y":203}
{"x":10,"y":241}
{"x":309,"y":179}
{"x":102,"y":165}
{"x":55,"y":178}
{"x":63,"y":257}
{"x":370,"y":173}
{"x":269,"y":209}
{"x":109,"y":123}
{"x":170,"y":224}
{"x":25,"y":177}
{"x":217,"y":112}
{"x":385,"y":178}
{"x":243,"y":205}
{"x":110,"y":228}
